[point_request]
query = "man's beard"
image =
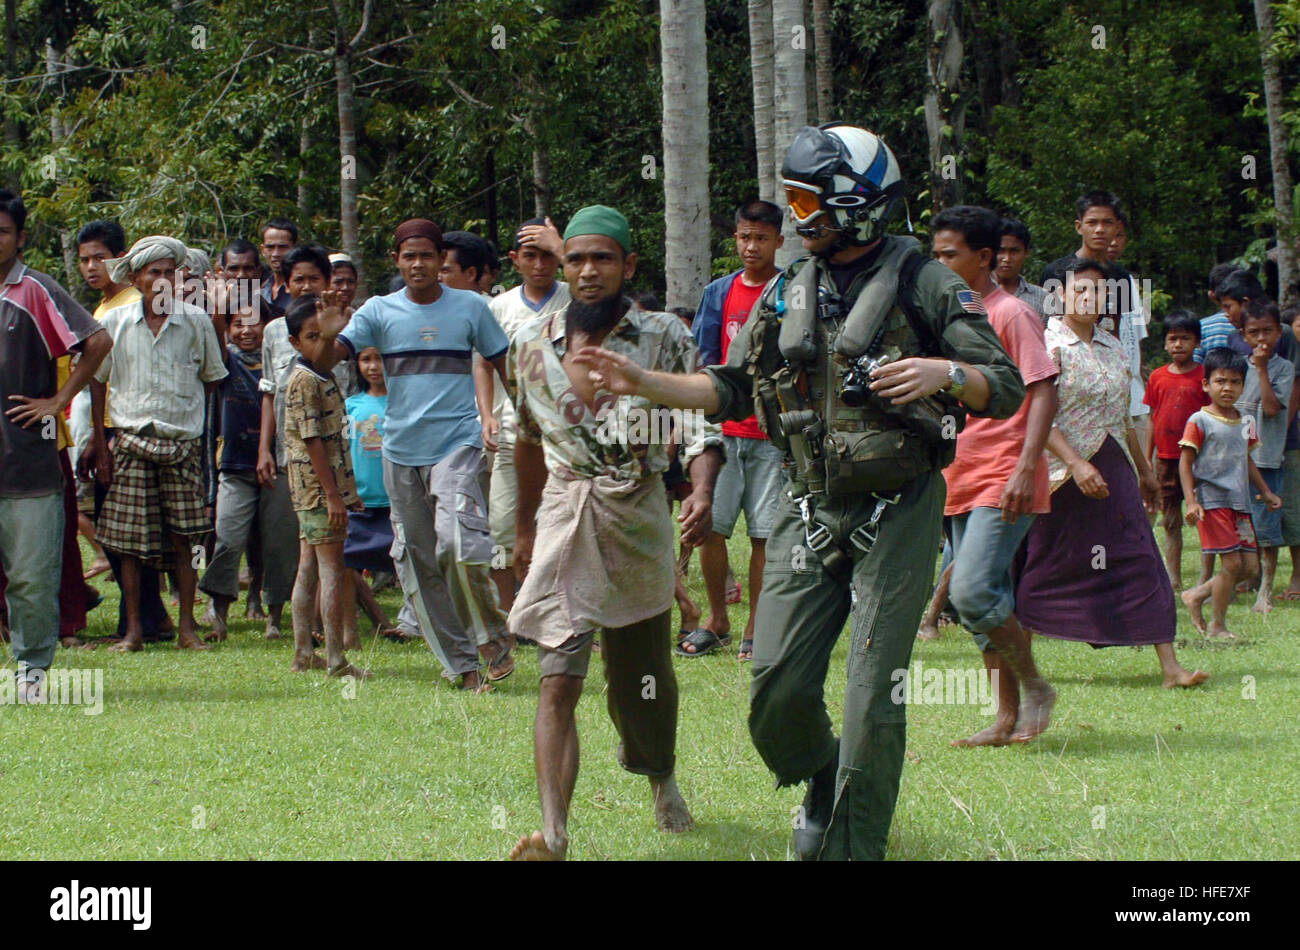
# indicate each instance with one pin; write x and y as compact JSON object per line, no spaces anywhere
{"x":592,"y":318}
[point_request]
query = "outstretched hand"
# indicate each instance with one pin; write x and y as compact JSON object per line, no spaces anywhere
{"x":610,"y":371}
{"x":332,"y":313}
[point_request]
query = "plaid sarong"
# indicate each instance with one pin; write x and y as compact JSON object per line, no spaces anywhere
{"x":157,"y":491}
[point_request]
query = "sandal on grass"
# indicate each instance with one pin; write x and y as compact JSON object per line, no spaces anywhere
{"x":502,"y":668}
{"x":704,"y":640}
{"x":483,"y":686}
{"x":746,"y":651}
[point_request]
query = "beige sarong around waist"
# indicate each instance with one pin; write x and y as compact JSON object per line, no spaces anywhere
{"x":603,"y":558}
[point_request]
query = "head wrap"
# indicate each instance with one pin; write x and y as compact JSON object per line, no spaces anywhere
{"x":601,"y":219}
{"x":197,"y":263}
{"x":417,"y":228}
{"x":142,"y":253}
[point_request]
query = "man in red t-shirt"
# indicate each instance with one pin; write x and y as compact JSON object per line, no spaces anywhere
{"x":751,"y":479}
{"x":997,"y":483}
{"x":1174,"y":393}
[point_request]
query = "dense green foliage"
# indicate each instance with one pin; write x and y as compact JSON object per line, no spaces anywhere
{"x":189,"y":117}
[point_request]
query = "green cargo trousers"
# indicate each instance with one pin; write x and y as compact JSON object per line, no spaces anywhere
{"x":801,"y":613}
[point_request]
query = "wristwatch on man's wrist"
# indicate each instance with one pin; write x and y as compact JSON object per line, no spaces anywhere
{"x":956,"y":380}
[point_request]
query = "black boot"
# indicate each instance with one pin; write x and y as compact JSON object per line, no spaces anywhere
{"x":818,"y":803}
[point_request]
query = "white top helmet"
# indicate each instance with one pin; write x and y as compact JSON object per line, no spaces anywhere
{"x":842,"y":178}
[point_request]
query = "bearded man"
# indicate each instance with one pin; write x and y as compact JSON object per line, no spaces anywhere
{"x":593,"y":536}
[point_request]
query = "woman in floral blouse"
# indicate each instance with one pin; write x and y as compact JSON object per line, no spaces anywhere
{"x":1091,"y":571}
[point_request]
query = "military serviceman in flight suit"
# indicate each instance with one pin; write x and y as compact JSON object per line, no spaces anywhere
{"x":860,"y":362}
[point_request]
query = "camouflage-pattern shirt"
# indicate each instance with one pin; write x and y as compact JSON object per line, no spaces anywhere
{"x":627,"y":437}
{"x":313,"y":409}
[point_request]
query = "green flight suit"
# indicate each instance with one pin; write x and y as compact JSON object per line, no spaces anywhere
{"x":802,"y":608}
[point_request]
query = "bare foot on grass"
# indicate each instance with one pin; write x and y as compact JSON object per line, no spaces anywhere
{"x":997,"y":734}
{"x":347,"y":669}
{"x":96,"y":568}
{"x":1035,"y":713}
{"x":131,"y":643}
{"x":671,"y":814}
{"x":534,"y":848}
{"x":1193,"y":602}
{"x":186,"y":639}
{"x":313,"y":661}
{"x":1184,"y":679}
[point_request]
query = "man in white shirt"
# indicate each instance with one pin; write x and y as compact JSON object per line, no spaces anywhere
{"x":533,"y":254}
{"x":1131,"y":329}
{"x":164,"y":363}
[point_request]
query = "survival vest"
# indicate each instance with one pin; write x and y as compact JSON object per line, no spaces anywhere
{"x":807,"y":342}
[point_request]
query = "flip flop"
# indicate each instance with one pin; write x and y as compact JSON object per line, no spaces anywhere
{"x":1288,"y":595}
{"x":746,"y":652}
{"x":733,"y":593}
{"x":705,"y":642}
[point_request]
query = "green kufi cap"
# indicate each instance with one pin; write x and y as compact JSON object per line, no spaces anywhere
{"x":601,"y":219}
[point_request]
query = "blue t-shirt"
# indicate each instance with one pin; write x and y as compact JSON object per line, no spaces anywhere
{"x":366,"y":424}
{"x":1215,"y":330}
{"x":428,"y":352}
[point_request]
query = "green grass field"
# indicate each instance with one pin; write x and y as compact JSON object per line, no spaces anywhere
{"x":229,"y":755}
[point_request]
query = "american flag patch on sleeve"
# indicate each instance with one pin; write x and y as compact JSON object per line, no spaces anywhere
{"x":971,"y":302}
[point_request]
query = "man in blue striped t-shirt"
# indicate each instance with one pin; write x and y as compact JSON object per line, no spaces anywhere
{"x":434,"y":469}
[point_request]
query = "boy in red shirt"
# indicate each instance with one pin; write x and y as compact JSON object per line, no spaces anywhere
{"x":1174,"y":392}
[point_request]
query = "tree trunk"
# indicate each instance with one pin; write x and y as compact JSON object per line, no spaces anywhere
{"x":1277,"y":143}
{"x":13,"y":137}
{"x":943,"y":108}
{"x":490,"y":196}
{"x":304,"y":194}
{"x":58,"y":134}
{"x":541,"y":170}
{"x":1008,"y":60}
{"x":348,"y":162}
{"x":761,"y":68}
{"x":822,"y":42}
{"x":790,"y":102}
{"x":686,"y":150}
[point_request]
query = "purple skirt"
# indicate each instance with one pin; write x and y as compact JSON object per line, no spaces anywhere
{"x":1090,"y":570}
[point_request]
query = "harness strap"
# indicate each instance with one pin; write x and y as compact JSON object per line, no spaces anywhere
{"x":838,"y":554}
